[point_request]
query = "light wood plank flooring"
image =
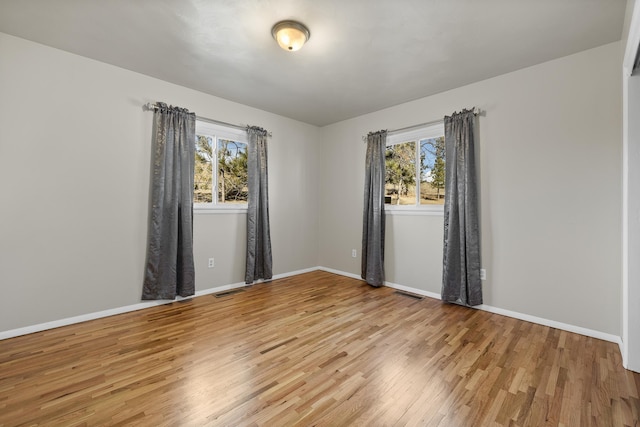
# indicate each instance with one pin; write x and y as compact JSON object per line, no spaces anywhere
{"x":314,"y":349}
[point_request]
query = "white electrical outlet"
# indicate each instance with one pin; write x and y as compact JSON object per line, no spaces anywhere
{"x":211,"y":263}
{"x":354,"y":253}
{"x":483,"y":274}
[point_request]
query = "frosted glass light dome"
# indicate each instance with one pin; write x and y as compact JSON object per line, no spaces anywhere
{"x":290,"y":35}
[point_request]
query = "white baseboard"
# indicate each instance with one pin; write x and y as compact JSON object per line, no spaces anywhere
{"x":128,"y":308}
{"x":134,"y":307}
{"x":295,"y":273}
{"x":412,"y":290}
{"x":78,"y":319}
{"x":552,"y":323}
{"x":341,"y":273}
{"x":516,"y":315}
{"x":110,"y":312}
{"x":214,"y":290}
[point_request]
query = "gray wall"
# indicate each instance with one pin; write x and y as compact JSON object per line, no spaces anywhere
{"x":74,"y":182}
{"x":550,"y":151}
{"x":74,"y":175}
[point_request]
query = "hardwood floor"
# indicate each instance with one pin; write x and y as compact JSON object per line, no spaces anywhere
{"x":315,"y":349}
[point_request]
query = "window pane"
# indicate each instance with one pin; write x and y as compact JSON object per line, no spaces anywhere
{"x":432,"y":161}
{"x":400,"y":179}
{"x":203,"y":176}
{"x":232,"y":171}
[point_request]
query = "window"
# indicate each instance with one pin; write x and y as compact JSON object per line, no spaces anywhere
{"x":220,"y":173}
{"x":415,"y":163}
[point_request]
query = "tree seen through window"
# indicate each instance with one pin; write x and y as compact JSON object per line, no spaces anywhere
{"x":415,"y":172}
{"x":230,"y":170}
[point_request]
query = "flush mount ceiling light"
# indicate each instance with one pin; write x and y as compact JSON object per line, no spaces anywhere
{"x":290,"y":35}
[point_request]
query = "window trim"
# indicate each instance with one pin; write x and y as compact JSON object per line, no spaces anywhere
{"x":407,"y":210}
{"x":216,"y":131}
{"x":433,"y":130}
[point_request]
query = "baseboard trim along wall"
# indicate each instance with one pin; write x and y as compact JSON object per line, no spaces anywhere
{"x":111,"y":312}
{"x":529,"y":318}
{"x":126,"y":309}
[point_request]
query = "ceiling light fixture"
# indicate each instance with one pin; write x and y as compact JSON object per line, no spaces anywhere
{"x":290,"y":35}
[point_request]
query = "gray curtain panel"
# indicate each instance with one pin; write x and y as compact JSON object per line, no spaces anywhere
{"x":170,"y":270}
{"x":461,"y":259}
{"x":259,"y":260}
{"x":373,"y":213}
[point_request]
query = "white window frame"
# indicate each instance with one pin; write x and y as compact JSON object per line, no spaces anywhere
{"x":427,"y":132}
{"x":215,"y":132}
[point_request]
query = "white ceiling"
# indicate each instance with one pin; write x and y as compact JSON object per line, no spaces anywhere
{"x":363,"y":55}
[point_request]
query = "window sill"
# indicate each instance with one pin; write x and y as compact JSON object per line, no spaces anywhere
{"x":413,"y":210}
{"x":217,"y":209}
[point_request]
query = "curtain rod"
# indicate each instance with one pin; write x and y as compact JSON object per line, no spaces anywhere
{"x":476,"y":112}
{"x":150,"y":106}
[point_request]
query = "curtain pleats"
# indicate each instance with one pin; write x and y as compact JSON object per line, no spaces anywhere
{"x":259,"y":258}
{"x":461,"y":258}
{"x":373,"y":219}
{"x":169,"y":267}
